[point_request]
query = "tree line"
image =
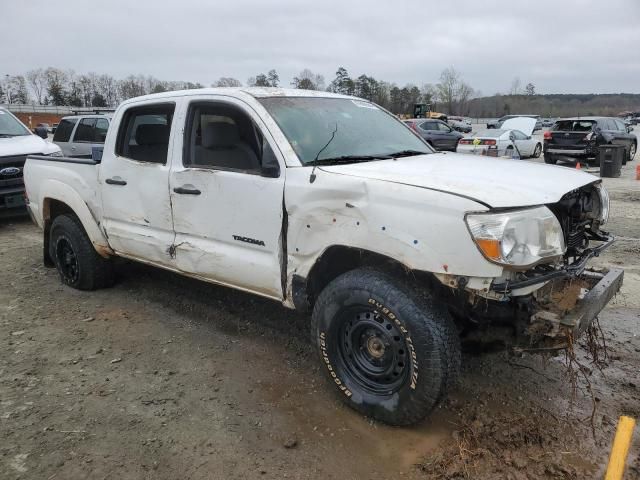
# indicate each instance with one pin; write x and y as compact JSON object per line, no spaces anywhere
{"x":451,"y":94}
{"x":55,"y":86}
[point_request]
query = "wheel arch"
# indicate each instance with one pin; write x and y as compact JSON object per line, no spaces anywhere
{"x":64,"y":200}
{"x":338,"y":259}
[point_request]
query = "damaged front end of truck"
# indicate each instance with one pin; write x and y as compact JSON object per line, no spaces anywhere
{"x":547,"y":306}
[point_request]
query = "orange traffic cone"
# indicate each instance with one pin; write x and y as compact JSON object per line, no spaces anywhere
{"x":637,"y":172}
{"x":578,"y":166}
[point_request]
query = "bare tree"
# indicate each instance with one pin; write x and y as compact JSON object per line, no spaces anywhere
{"x":516,"y":87}
{"x":307,"y":80}
{"x":447,"y":89}
{"x":227,"y":82}
{"x":38,"y":83}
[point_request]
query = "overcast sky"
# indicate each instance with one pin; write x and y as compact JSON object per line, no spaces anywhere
{"x":560,"y":46}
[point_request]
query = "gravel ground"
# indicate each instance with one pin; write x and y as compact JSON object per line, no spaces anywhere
{"x":165,"y":377}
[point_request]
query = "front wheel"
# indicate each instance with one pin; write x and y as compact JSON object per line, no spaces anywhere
{"x":390,"y":352}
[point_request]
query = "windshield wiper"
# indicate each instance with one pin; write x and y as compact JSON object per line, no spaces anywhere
{"x":406,"y":153}
{"x":8,"y":135}
{"x":348,"y":159}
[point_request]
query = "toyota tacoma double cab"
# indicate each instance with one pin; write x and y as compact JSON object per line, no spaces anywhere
{"x":331,"y":205}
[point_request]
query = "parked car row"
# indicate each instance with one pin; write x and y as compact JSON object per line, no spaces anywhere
{"x":513,"y":139}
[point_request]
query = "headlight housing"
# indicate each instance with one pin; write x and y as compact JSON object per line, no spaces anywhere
{"x":518,"y":238}
{"x":57,"y":153}
{"x":604,"y":203}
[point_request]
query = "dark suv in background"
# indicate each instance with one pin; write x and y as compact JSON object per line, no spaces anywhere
{"x":578,"y":139}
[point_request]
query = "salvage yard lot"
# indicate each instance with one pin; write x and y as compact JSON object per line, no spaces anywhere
{"x":166,"y":377}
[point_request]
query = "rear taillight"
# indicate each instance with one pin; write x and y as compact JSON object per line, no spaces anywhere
{"x":488,"y":142}
{"x":465,"y":141}
{"x":412,"y":126}
{"x":547,"y":135}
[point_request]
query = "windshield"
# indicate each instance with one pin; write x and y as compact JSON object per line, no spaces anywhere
{"x":361,"y":128}
{"x":10,"y":126}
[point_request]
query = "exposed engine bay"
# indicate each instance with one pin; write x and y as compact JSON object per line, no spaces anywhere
{"x":547,"y":306}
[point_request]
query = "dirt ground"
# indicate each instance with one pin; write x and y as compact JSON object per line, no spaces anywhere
{"x":164,"y":377}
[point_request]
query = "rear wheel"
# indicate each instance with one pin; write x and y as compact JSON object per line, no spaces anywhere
{"x":632,"y":151}
{"x":77,"y":262}
{"x":550,"y":159}
{"x":537,"y":151}
{"x":391,"y":352}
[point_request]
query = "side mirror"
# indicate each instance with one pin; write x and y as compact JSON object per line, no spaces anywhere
{"x":41,"y":132}
{"x":270,"y":171}
{"x":512,"y":136}
{"x":528,"y":137}
{"x":629,"y":129}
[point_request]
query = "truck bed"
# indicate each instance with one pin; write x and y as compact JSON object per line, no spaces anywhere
{"x":67,"y":179}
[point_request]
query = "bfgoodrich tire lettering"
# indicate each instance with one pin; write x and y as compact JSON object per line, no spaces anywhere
{"x":77,"y":262}
{"x":390,"y":352}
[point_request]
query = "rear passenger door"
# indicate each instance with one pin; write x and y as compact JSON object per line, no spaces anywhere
{"x":227,"y":210}
{"x":134,"y":181}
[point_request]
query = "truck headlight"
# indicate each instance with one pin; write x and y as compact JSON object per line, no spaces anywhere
{"x":57,"y":153}
{"x":604,"y":203}
{"x":519,"y":238}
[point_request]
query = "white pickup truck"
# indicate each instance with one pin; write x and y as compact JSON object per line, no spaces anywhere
{"x":328,"y":203}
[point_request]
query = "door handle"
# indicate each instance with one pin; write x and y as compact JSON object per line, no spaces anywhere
{"x":187,"y":191}
{"x":115,"y":181}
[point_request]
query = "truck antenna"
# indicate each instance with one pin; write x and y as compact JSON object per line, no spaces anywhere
{"x":312,"y":177}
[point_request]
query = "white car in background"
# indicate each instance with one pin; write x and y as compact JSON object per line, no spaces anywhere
{"x":513,"y":139}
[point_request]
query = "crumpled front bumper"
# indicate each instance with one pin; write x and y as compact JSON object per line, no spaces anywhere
{"x":568,"y":307}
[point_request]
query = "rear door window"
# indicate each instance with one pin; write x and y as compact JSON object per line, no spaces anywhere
{"x":65,"y":127}
{"x":144,"y":133}
{"x":100,"y":134}
{"x":428,"y":126}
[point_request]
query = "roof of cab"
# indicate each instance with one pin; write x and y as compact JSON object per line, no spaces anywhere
{"x":256,"y":92}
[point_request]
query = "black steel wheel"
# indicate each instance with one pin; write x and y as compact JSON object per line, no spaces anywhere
{"x":390,"y":351}
{"x":74,"y":256}
{"x":372,"y":350}
{"x":66,"y":260}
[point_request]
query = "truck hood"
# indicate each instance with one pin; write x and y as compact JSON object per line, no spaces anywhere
{"x":495,"y":182}
{"x":26,"y":144}
{"x":525,"y":124}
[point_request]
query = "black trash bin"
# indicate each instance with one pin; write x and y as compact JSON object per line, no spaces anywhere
{"x":610,"y":158}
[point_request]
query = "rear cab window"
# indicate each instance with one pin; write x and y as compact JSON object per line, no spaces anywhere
{"x":144,"y":133}
{"x":64,"y":130}
{"x":574,"y":125}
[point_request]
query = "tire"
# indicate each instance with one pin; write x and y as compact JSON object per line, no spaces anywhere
{"x":77,"y":262}
{"x":537,"y":151}
{"x":632,"y":151}
{"x":551,"y":160}
{"x":391,"y":353}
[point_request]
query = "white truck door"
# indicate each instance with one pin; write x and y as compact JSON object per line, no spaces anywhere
{"x":134,"y":178}
{"x":227,"y":208}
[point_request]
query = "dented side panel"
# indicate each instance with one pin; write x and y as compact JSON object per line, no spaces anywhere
{"x":137,"y":216}
{"x":423,"y":229}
